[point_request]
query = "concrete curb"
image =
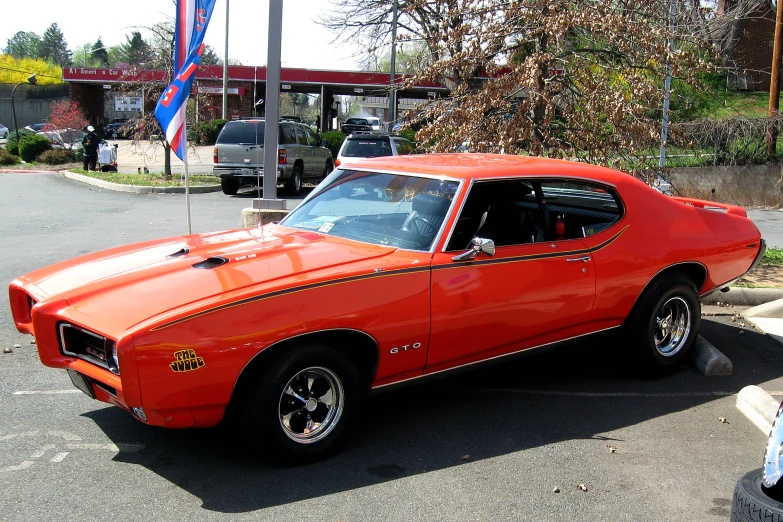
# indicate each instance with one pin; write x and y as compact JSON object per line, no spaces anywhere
{"x":709,"y":360}
{"x":745,"y":296}
{"x":758,"y":406}
{"x":137,"y":189}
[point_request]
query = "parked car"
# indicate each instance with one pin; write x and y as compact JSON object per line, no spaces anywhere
{"x":239,"y":155}
{"x":392,"y":269}
{"x":36,"y":127}
{"x":297,"y":119}
{"x":368,"y":124}
{"x":365,"y":145}
{"x":3,"y":132}
{"x":70,"y":139}
{"x":118,"y":128}
{"x":758,"y":495}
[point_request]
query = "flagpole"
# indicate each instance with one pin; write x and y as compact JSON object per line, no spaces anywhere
{"x":187,"y":178}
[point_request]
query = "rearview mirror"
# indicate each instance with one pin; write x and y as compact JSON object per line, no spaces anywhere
{"x":477,"y":245}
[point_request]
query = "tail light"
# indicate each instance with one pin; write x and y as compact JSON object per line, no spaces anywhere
{"x":214,"y":155}
{"x":337,"y":162}
{"x":282,"y":157}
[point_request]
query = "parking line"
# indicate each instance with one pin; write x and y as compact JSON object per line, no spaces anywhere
{"x":605,"y":394}
{"x":44,"y":392}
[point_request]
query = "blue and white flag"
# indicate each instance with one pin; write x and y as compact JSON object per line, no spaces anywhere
{"x":192,"y":20}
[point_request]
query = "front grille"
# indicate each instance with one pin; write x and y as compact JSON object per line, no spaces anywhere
{"x":86,"y":345}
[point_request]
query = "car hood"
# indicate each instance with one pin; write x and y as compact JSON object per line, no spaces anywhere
{"x":127,"y":285}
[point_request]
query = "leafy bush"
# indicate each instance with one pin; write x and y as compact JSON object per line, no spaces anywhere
{"x":12,"y":145}
{"x":33,"y":146}
{"x":334,"y":140}
{"x":57,"y":157}
{"x":6,"y":158}
{"x":206,"y":132}
{"x":409,"y":134}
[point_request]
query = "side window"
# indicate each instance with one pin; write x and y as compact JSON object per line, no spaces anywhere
{"x":403,"y":146}
{"x":514,"y":212}
{"x":579,"y":210}
{"x":301,"y":137}
{"x":503,"y":211}
{"x":310,"y":137}
{"x":289,"y":134}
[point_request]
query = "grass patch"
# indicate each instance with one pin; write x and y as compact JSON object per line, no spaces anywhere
{"x":747,"y":104}
{"x":150,"y":180}
{"x":772,"y":256}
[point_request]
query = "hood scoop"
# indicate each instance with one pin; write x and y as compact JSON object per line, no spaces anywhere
{"x":212,"y":262}
{"x":178,"y":253}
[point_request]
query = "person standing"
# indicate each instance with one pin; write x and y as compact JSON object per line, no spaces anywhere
{"x":90,"y":143}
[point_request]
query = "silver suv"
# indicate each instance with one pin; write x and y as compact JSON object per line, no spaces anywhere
{"x":239,"y":155}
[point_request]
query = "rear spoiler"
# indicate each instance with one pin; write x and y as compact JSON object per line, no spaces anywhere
{"x":712,"y":205}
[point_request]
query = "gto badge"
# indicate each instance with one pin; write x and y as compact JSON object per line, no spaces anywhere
{"x":186,"y":361}
{"x":405,"y":348}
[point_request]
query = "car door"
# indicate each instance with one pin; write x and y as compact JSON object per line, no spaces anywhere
{"x":533,"y":291}
{"x":302,"y":151}
{"x":318,"y":154}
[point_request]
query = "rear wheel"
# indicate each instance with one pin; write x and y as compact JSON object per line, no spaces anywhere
{"x":301,"y":405}
{"x":665,"y":322}
{"x":230,"y":186}
{"x":328,"y":169}
{"x":294,"y":184}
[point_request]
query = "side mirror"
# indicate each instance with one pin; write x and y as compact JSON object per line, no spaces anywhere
{"x":477,"y":245}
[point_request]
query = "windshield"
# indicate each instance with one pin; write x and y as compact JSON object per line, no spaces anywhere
{"x":366,"y":148}
{"x":242,"y":132}
{"x":356,"y":121}
{"x":374,"y":121}
{"x":382,"y":209}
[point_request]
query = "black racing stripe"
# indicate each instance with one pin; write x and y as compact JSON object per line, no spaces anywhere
{"x":301,"y":288}
{"x":400,"y":271}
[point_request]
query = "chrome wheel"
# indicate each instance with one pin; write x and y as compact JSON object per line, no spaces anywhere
{"x":672,"y":326}
{"x":311,"y":405}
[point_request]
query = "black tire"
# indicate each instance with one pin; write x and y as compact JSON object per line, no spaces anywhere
{"x":328,"y":169}
{"x":674,"y":294}
{"x":755,"y":503}
{"x":230,"y":186}
{"x":293,"y":187}
{"x":262,"y":418}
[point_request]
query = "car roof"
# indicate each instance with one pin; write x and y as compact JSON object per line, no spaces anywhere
{"x":485,"y":166}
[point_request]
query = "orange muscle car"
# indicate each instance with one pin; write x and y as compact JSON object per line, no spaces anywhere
{"x":392,"y":269}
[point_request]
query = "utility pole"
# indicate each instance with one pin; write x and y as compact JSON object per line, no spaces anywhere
{"x":225,"y":72}
{"x":392,"y":92}
{"x":667,"y":90}
{"x":272,"y":117}
{"x":774,"y":84}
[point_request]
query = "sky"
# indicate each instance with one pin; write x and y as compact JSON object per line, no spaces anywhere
{"x":305,"y":44}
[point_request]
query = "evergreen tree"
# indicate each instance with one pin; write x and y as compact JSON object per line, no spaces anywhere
{"x":54,"y":47}
{"x":23,"y":45}
{"x":209,"y":56}
{"x":136,"y":51}
{"x":100,"y":54}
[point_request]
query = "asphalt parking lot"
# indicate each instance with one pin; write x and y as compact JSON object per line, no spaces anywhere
{"x":486,"y":445}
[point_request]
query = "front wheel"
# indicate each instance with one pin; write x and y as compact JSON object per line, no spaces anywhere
{"x":666,"y":320}
{"x":302,"y":405}
{"x":328,"y":169}
{"x":755,"y":503}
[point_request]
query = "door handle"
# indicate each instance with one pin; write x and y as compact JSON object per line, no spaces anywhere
{"x":584,"y":259}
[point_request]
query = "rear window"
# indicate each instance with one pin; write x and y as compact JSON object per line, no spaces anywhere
{"x":242,"y":132}
{"x":366,"y":148}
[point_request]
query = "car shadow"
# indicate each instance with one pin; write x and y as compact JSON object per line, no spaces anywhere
{"x":576,"y":392}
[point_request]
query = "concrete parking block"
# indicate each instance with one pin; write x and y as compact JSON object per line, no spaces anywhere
{"x":251,"y":216}
{"x":709,"y":360}
{"x":758,"y":406}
